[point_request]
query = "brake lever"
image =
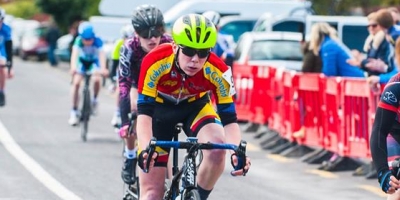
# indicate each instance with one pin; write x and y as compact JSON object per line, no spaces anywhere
{"x":150,"y":151}
{"x":241,"y":155}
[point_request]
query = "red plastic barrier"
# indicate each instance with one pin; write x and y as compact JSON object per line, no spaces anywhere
{"x":333,"y":115}
{"x":243,"y":79}
{"x":358,"y":111}
{"x":275,"y":121}
{"x":291,"y":114}
{"x":261,"y":98}
{"x":310,"y":97}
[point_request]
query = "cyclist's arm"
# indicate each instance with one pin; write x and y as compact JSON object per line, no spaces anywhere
{"x":125,"y":83}
{"x":8,"y":45}
{"x":385,"y":118}
{"x":74,"y":58}
{"x":102,"y":59}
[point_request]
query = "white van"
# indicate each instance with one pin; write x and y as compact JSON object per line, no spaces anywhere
{"x":243,"y":8}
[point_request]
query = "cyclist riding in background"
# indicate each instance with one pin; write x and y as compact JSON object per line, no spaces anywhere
{"x":148,"y":22}
{"x":387,"y":121}
{"x":87,"y":50}
{"x":5,"y":55}
{"x":174,"y":84}
{"x":225,"y":47}
{"x":126,"y":33}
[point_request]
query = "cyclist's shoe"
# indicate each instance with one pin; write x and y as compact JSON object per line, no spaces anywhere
{"x":94,"y":107}
{"x":128,"y":173}
{"x":2,"y":99}
{"x":116,"y":120}
{"x":73,"y":118}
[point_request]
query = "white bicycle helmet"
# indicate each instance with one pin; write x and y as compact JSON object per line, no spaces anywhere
{"x":127,"y":31}
{"x":2,"y":13}
{"x":213,"y":16}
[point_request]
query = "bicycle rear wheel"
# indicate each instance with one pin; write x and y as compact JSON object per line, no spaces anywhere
{"x":85,"y":114}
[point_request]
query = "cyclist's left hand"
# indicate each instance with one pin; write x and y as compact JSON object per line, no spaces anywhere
{"x":240,"y":172}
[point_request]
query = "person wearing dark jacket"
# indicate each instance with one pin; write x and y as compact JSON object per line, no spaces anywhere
{"x":311,"y":62}
{"x":51,"y":37}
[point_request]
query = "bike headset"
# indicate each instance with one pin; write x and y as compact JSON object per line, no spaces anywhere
{"x":86,"y":31}
{"x":148,"y":21}
{"x":194,"y":31}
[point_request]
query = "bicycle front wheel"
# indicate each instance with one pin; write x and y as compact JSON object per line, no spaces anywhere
{"x":192,"y":194}
{"x":86,"y":111}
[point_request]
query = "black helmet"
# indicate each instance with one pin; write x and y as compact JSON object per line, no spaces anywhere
{"x":147,"y":17}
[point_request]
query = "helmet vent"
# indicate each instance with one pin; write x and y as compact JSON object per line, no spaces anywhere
{"x":206,"y":37}
{"x":187,"y":31}
{"x":198,"y":33}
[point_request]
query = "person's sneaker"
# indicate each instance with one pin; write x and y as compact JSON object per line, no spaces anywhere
{"x":2,"y":99}
{"x":128,"y":173}
{"x":94,"y":107}
{"x":73,"y":118}
{"x":116,"y":120}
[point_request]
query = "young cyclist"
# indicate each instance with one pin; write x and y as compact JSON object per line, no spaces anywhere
{"x":87,"y":48}
{"x":5,"y":55}
{"x":384,"y":148}
{"x":174,"y":84}
{"x":148,"y":22}
{"x":126,"y":33}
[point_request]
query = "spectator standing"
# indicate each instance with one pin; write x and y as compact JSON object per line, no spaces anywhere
{"x":53,"y":33}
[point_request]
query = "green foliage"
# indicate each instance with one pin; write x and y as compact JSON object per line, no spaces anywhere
{"x":22,"y":9}
{"x":65,"y":12}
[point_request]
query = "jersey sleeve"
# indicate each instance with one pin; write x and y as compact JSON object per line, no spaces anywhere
{"x":117,"y":48}
{"x":7,"y":32}
{"x":125,"y":82}
{"x":385,"y":118}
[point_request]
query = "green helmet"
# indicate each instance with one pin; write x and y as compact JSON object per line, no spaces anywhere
{"x":195,"y":31}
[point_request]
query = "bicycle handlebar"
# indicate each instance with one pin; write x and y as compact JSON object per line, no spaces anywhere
{"x":240,"y":150}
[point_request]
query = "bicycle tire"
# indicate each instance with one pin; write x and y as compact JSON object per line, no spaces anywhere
{"x":86,"y":111}
{"x":192,"y":194}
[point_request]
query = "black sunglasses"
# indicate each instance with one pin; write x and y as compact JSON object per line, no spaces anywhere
{"x":190,"y":52}
{"x":372,"y":25}
{"x":152,"y":32}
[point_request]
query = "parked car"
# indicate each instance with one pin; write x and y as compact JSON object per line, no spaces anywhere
{"x":279,"y":49}
{"x":33,"y":43}
{"x":62,"y":51}
{"x":19,"y":26}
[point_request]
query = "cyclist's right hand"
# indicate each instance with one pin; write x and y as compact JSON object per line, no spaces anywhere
{"x":388,"y":182}
{"x":142,"y":160}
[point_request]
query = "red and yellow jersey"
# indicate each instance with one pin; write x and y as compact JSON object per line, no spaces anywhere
{"x":161,"y":79}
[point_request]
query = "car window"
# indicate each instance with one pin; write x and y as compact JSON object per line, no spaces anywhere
{"x":354,"y":36}
{"x":276,"y":50}
{"x":289,"y":26}
{"x":239,"y":48}
{"x":237,"y":28}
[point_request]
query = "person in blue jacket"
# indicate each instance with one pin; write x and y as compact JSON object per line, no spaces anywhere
{"x":5,"y":55}
{"x":334,"y":54}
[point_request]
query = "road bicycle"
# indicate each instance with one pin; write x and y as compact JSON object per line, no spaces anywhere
{"x":86,"y":109}
{"x":183,"y":184}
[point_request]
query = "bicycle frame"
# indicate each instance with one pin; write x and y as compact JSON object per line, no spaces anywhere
{"x":188,"y":171}
{"x":86,"y":106}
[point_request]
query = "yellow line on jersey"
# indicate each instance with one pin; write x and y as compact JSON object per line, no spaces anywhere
{"x":279,"y":158}
{"x":321,"y":173}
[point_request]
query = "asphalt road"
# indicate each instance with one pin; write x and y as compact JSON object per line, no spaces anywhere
{"x":43,"y":158}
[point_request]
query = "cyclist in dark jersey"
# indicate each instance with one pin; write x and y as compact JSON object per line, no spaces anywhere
{"x":148,"y":22}
{"x":387,"y":121}
{"x":174,"y":85}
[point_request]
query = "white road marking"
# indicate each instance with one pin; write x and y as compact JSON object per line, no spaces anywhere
{"x":33,"y":167}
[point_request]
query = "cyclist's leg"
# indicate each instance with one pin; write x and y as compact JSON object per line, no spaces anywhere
{"x":130,"y":141}
{"x":3,"y":77}
{"x":208,"y":128}
{"x":76,"y":80}
{"x":96,"y":78}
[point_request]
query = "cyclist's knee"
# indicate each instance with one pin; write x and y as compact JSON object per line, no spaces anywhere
{"x":215,"y":156}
